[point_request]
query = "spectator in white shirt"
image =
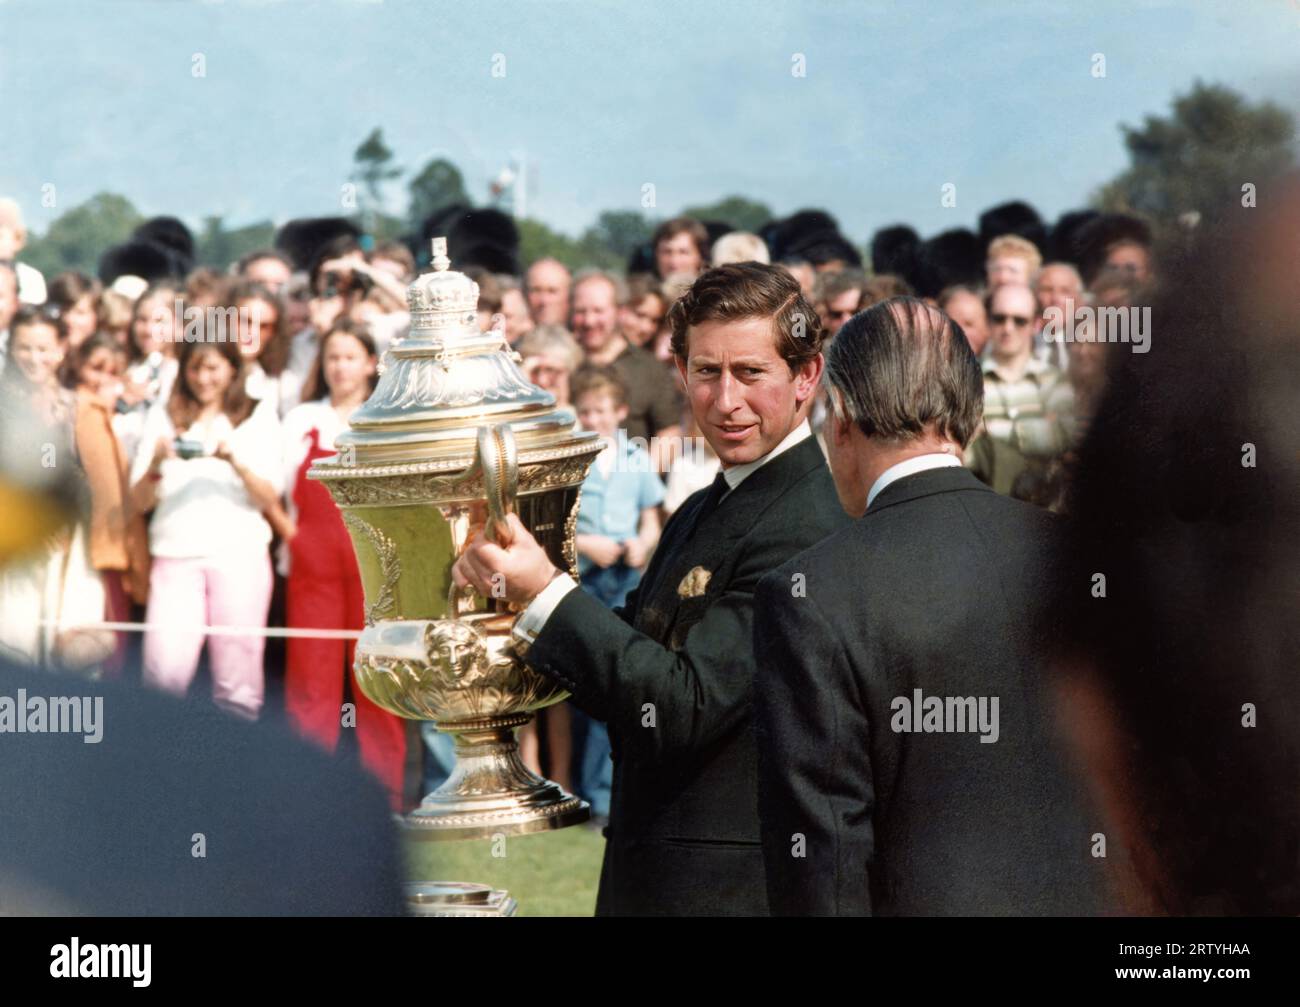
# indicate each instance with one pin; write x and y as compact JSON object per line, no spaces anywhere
{"x":264,"y":341}
{"x":207,"y":467}
{"x":151,"y":360}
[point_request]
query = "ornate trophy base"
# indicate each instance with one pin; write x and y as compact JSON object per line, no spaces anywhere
{"x":491,"y":792}
{"x":457,"y":898}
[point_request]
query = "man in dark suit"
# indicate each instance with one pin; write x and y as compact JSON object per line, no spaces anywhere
{"x":908,"y":762}
{"x":671,"y":672}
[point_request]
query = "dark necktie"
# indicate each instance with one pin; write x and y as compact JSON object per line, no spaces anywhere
{"x":711,"y":499}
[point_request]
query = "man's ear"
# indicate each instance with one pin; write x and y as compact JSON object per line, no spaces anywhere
{"x":807,"y":377}
{"x":841,"y":429}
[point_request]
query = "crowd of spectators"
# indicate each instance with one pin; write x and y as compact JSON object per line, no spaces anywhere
{"x":198,"y":512}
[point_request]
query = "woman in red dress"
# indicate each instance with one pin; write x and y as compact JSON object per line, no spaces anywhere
{"x":324,"y":586}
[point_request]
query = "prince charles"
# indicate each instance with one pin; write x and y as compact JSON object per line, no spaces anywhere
{"x":671,"y":672}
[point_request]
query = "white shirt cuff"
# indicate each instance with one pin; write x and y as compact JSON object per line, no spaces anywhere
{"x":532,"y":619}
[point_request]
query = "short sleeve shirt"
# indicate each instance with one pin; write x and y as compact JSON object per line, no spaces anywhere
{"x":614,"y":494}
{"x":203,"y":508}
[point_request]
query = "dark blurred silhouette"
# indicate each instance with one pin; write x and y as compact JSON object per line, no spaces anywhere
{"x":113,"y":828}
{"x":116,"y":827}
{"x":1181,"y":681}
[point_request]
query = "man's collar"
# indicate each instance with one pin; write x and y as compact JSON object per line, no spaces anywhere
{"x":739,"y":473}
{"x":907,"y":467}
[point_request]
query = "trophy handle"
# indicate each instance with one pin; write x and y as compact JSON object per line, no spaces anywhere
{"x":499,"y":460}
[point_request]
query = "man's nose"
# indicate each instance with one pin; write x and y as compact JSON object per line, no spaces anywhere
{"x":728,"y":397}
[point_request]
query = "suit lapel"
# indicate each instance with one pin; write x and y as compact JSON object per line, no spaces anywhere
{"x":709,"y":543}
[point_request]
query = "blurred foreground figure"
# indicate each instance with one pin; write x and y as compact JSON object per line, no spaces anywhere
{"x":1182,"y":587}
{"x":121,"y":801}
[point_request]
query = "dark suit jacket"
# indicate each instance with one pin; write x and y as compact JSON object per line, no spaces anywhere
{"x":672,"y":677}
{"x":938,"y":588}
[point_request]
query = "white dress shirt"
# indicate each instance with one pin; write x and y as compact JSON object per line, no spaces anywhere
{"x":911,"y":466}
{"x":533,"y":618}
{"x":737,"y":474}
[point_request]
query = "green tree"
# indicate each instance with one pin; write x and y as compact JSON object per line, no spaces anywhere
{"x":1198,"y":158}
{"x":77,"y":238}
{"x":218,"y":247}
{"x":592,"y":252}
{"x":741,"y":213}
{"x":438,"y":184}
{"x":616,"y":234}
{"x":372,"y":167}
{"x":537,"y":241}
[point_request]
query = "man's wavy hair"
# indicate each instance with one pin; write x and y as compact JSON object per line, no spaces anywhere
{"x":744,"y":290}
{"x":902,"y":367}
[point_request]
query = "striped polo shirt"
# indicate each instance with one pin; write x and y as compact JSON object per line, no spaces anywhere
{"x":1027,"y":412}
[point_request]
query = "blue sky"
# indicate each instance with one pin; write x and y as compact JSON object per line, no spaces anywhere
{"x":696,"y":98}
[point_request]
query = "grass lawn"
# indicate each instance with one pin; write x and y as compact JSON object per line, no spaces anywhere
{"x":548,"y":873}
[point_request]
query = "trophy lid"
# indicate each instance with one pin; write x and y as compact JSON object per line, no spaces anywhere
{"x":447,"y":379}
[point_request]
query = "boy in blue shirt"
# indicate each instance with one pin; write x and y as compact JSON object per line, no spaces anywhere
{"x":618,"y":527}
{"x":618,"y":517}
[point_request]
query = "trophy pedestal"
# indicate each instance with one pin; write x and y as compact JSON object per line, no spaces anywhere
{"x":491,"y":792}
{"x":457,"y":898}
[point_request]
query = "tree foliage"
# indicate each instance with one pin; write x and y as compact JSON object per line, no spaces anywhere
{"x":80,"y":236}
{"x":740,"y":212}
{"x":618,"y":232}
{"x":439,"y":183}
{"x":1199,"y":157}
{"x":372,"y":166}
{"x":217,"y":247}
{"x":537,"y":241}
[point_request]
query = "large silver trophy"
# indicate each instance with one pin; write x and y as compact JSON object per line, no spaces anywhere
{"x":453,"y":439}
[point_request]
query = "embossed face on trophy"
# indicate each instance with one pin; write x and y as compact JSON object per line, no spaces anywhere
{"x":453,"y":439}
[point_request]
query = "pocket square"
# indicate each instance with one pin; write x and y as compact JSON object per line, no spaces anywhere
{"x":694,"y":584}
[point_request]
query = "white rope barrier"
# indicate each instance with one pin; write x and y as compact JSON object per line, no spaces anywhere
{"x":271,"y":631}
